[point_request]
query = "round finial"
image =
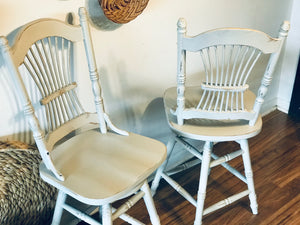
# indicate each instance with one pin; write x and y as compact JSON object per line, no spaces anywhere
{"x":82,"y":12}
{"x":285,"y":27}
{"x":3,"y":41}
{"x":181,"y":23}
{"x":181,"y":26}
{"x":3,"y":44}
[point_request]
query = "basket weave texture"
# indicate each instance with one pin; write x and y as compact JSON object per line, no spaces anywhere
{"x":122,"y":11}
{"x":24,"y":197}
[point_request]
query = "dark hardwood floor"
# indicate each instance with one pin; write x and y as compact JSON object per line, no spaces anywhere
{"x":275,"y":155}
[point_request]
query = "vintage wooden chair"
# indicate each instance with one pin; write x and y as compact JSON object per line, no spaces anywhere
{"x":221,"y":108}
{"x":95,"y":166}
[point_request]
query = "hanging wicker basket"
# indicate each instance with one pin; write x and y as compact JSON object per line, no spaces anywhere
{"x":25,"y":199}
{"x":122,"y":11}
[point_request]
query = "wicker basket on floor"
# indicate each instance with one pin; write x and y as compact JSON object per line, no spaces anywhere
{"x":24,"y":197}
{"x":122,"y":11}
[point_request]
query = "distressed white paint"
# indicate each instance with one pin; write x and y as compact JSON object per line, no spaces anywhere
{"x":228,"y":56}
{"x":94,"y":166}
{"x":138,"y":66}
{"x":137,"y":61}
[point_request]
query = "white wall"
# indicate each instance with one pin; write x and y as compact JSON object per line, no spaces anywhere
{"x":137,"y":61}
{"x":290,"y":60}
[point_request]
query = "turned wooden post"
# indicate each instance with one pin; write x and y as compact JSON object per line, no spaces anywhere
{"x":181,"y":70}
{"x":267,"y":78}
{"x":94,"y":75}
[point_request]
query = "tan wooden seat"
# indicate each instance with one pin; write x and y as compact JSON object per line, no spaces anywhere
{"x":84,"y":155}
{"x":222,"y":107}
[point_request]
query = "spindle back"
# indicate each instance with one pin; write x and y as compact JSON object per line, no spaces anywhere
{"x":40,"y":58}
{"x":228,"y":56}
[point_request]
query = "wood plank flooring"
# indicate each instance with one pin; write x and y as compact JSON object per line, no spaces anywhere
{"x":275,"y":156}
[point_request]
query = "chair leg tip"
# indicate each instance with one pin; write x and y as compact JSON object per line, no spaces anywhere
{"x":254,"y":210}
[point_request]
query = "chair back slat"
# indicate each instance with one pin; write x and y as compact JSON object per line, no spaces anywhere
{"x":226,"y":69}
{"x":228,"y":57}
{"x":48,"y":63}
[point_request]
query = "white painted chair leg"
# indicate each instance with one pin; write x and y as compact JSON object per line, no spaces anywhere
{"x":249,"y":175}
{"x":203,"y":182}
{"x":170,"y":146}
{"x":150,"y":204}
{"x":106,"y":214}
{"x":100,"y":212}
{"x":61,"y":198}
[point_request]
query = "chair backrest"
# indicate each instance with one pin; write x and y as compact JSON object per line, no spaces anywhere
{"x":228,"y":56}
{"x":40,"y":56}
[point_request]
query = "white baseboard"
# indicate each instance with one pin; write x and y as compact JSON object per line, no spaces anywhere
{"x":275,"y":103}
{"x":283,"y":105}
{"x":268,"y":106}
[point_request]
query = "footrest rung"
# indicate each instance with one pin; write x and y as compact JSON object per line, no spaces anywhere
{"x":83,"y":216}
{"x":129,"y":219}
{"x":189,"y":148}
{"x":226,"y":202}
{"x":127,"y":205}
{"x":225,"y":158}
{"x":183,"y":166}
{"x":179,"y":189}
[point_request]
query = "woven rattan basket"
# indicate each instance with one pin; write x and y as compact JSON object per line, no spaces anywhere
{"x":24,"y":197}
{"x":122,"y":11}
